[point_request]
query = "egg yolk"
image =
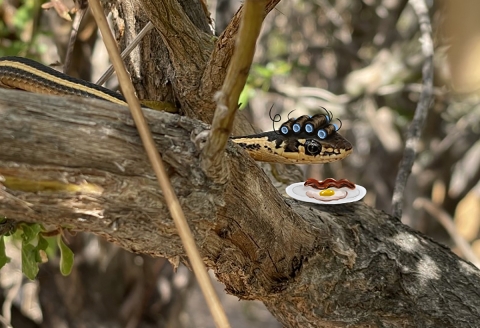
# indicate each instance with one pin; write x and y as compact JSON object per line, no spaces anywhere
{"x":327,"y":192}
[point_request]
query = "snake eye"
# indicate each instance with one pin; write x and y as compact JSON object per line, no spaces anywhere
{"x":312,"y":147}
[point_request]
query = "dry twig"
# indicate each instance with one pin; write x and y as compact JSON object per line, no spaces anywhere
{"x":77,"y":20}
{"x":171,"y":199}
{"x":147,"y":28}
{"x":227,"y":98}
{"x":415,"y":129}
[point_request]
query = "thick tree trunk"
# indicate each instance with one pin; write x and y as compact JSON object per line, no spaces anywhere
{"x":79,"y":164}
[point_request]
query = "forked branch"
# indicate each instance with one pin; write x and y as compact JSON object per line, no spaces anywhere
{"x":213,"y":161}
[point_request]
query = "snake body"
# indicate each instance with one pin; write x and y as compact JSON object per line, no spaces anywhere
{"x":282,"y":146}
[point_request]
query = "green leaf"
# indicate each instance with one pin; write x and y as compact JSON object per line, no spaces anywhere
{"x":30,"y":232}
{"x":4,"y":259}
{"x":41,"y":246}
{"x":42,"y":243}
{"x":52,"y":247}
{"x":29,"y":261}
{"x":66,"y":257}
{"x":32,"y":245}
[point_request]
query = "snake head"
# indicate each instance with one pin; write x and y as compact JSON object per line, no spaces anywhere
{"x":295,"y":149}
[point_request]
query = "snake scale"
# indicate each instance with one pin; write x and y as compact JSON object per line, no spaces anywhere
{"x":304,"y":140}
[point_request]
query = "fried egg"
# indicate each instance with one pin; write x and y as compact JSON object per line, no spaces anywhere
{"x":327,"y":195}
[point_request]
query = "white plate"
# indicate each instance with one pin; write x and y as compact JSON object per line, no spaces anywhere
{"x":298,"y":191}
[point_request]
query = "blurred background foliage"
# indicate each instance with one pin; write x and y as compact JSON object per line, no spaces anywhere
{"x":362,"y":61}
{"x":19,"y":28}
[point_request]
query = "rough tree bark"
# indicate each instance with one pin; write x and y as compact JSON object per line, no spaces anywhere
{"x":79,"y":164}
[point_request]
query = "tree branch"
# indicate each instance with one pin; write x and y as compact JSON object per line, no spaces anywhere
{"x":415,"y":130}
{"x":220,"y":60}
{"x":227,"y":99}
{"x":171,"y":199}
{"x":181,"y":37}
{"x":79,"y":164}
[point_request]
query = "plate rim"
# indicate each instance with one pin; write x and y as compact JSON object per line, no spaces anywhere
{"x":360,"y":196}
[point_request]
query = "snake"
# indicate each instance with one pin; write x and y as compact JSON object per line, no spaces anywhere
{"x":305,"y":140}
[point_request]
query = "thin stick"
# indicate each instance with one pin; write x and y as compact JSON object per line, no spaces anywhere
{"x":108,"y":73}
{"x":82,"y":10}
{"x":170,"y":198}
{"x":227,"y":99}
{"x":447,"y":222}
{"x":415,"y":130}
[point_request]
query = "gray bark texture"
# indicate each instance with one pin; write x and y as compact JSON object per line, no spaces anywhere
{"x":79,"y":164}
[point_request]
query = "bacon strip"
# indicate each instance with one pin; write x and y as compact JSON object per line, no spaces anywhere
{"x":328,"y":183}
